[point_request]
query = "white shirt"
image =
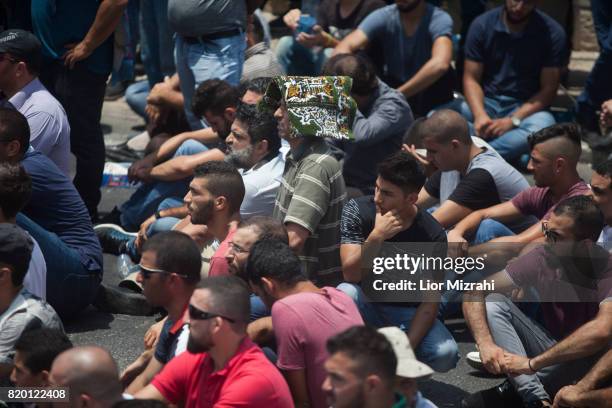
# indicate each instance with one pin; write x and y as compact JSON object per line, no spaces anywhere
{"x":261,"y":185}
{"x":35,"y":280}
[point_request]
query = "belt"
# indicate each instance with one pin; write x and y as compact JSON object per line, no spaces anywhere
{"x":213,"y":36}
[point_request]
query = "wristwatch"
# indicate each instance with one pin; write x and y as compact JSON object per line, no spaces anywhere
{"x":157,"y":215}
{"x":516,"y":122}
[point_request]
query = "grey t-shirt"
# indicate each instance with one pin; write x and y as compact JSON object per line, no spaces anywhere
{"x":193,"y":18}
{"x":404,"y":55}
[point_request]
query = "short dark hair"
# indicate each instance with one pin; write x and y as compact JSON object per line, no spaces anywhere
{"x":414,"y":135}
{"x":15,"y":251}
{"x":256,"y":85}
{"x":39,"y":347}
{"x":272,"y":258}
{"x":15,"y":189}
{"x":261,"y":125}
{"x":223,"y":180}
{"x":569,"y":131}
{"x":230,"y":297}
{"x":604,"y":169}
{"x":214,"y":95}
{"x":446,"y":125}
{"x":369,"y":349}
{"x":356,"y":66}
{"x":588,"y":218}
{"x":404,"y":171}
{"x":14,"y":126}
{"x":267,"y":228}
{"x":176,"y":252}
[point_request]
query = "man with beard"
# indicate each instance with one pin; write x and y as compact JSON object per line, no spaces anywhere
{"x":513,"y":58}
{"x":214,"y":200}
{"x":169,"y":270}
{"x":573,"y":278}
{"x":223,"y":366}
{"x":555,"y":152}
{"x":168,"y":178}
{"x":417,"y":50}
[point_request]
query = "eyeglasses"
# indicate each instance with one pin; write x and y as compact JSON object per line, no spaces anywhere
{"x":238,"y":249}
{"x":147,"y":272}
{"x":197,"y":314}
{"x":550,"y":235}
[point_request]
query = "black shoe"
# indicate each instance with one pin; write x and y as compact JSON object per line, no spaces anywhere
{"x":122,"y":301}
{"x":500,"y":396}
{"x":537,"y":404}
{"x":115,"y":91}
{"x":122,"y":153}
{"x":113,"y":217}
{"x":113,"y":238}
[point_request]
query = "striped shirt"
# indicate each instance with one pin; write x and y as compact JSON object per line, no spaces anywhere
{"x":311,"y":195}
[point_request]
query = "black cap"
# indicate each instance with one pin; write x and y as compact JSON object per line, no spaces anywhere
{"x":22,"y":45}
{"x":15,"y":246}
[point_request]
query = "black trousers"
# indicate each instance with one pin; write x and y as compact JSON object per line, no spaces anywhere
{"x":81,"y":93}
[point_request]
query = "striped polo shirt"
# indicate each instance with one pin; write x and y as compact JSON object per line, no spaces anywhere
{"x":312,"y":194}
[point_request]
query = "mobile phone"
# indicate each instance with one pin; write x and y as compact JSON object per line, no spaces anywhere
{"x":306,"y":23}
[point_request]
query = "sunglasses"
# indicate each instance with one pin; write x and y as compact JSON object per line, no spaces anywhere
{"x":550,"y":235}
{"x":197,"y":314}
{"x":147,"y":272}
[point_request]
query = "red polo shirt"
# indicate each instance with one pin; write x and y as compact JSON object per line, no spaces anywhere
{"x":248,"y":380}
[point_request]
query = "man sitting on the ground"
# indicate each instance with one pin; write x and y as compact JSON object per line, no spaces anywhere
{"x":601,"y":187}
{"x":312,"y":192}
{"x":382,"y":118}
{"x":164,"y":178}
{"x":19,"y":310}
{"x":409,"y":369}
{"x":91,"y":375}
{"x":361,"y":370}
{"x":15,"y":192}
{"x":259,"y":60}
{"x":57,"y":219}
{"x":513,"y":58}
{"x":573,"y":278}
{"x":223,"y":366}
{"x":591,"y":390}
{"x":303,"y":317}
{"x":392,"y":216}
{"x":555,"y":152}
{"x":49,"y":128}
{"x":416,"y":41}
{"x":469,"y":177}
{"x":169,"y":270}
{"x":34,"y":353}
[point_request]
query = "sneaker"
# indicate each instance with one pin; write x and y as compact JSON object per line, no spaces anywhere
{"x":122,"y":301}
{"x":113,"y":217}
{"x":113,"y":238}
{"x":500,"y":396}
{"x":115,"y":91}
{"x":122,"y":153}
{"x":474,"y":361}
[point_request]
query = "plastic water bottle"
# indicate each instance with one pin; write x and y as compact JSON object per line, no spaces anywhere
{"x":125,"y":266}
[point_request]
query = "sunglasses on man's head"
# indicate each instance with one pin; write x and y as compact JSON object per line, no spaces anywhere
{"x":147,"y":272}
{"x":197,"y":314}
{"x":550,"y":235}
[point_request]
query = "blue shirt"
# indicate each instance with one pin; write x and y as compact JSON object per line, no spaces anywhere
{"x":60,"y":22}
{"x":513,"y":62}
{"x":57,"y":207}
{"x":404,"y":55}
{"x":49,"y":128}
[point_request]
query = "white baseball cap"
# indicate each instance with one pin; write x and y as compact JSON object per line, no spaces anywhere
{"x":407,"y":364}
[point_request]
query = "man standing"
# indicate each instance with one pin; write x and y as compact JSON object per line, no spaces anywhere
{"x":49,"y":129}
{"x":312,"y":192}
{"x":513,"y":58}
{"x":78,"y":51}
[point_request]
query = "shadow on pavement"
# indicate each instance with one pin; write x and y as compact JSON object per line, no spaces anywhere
{"x":90,"y":320}
{"x":442,"y":394}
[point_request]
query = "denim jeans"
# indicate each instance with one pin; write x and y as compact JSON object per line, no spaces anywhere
{"x":437,"y":349}
{"x":81,"y":93}
{"x":198,"y":61}
{"x":598,"y":85}
{"x":146,"y":199}
{"x":512,"y":144}
{"x":157,"y":40}
{"x":258,"y":308}
{"x":299,"y":60}
{"x":136,"y":97}
{"x":513,"y":331}
{"x":490,"y":229}
{"x":70,"y":287}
